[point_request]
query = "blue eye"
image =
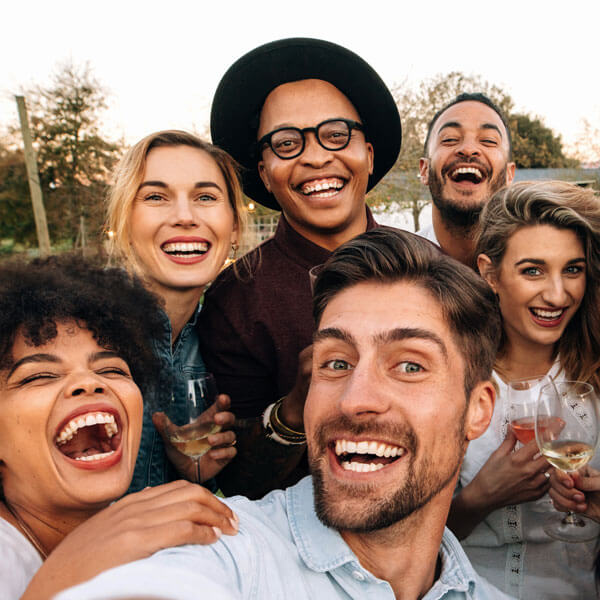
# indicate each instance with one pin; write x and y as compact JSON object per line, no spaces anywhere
{"x":574,"y":270}
{"x":410,"y":367}
{"x":531,"y":271}
{"x":337,"y":365}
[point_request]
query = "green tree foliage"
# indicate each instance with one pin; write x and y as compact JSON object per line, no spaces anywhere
{"x":535,"y":146}
{"x":16,"y":214}
{"x":74,"y":158}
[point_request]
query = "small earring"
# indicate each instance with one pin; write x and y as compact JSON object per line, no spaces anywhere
{"x":234,"y":248}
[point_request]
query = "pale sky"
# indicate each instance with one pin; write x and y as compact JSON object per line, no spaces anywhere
{"x":161,"y":61}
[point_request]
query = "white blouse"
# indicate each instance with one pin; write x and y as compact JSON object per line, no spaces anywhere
{"x":509,"y":547}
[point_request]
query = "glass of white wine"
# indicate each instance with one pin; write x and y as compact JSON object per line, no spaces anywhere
{"x":566,"y":431}
{"x":190,"y":424}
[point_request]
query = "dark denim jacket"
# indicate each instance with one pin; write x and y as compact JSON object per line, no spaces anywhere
{"x":178,"y":364}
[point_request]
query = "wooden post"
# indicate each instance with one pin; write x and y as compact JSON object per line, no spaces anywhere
{"x":39,"y":212}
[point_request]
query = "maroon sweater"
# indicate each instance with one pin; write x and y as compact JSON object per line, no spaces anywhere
{"x":253,"y":327}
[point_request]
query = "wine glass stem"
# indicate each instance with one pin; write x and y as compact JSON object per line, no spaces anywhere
{"x":197,"y":463}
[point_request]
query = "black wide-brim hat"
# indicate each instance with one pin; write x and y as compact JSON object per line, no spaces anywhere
{"x":243,"y":89}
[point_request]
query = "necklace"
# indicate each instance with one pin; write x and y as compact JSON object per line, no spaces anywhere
{"x":27,"y":531}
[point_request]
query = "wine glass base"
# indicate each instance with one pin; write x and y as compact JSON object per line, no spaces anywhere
{"x":572,"y":528}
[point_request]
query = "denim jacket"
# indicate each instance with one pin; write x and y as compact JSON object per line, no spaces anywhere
{"x":178,"y":364}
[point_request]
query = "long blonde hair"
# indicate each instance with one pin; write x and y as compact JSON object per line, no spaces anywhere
{"x":128,"y":177}
{"x":564,"y":206}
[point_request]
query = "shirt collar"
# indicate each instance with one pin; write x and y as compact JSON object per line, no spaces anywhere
{"x":303,"y":251}
{"x":323,"y":549}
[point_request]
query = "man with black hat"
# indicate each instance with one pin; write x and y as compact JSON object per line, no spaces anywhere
{"x":314,"y":128}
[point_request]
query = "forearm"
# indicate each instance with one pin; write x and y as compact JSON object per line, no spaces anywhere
{"x":261,"y":464}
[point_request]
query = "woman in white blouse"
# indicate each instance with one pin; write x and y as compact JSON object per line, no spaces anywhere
{"x":539,"y":249}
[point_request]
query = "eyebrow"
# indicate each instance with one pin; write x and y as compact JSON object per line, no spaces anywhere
{"x":457,"y":125}
{"x":198,"y":184}
{"x":539,"y":261}
{"x":394,"y":335}
{"x":52,"y":358}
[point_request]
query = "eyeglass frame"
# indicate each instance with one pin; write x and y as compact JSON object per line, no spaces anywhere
{"x":266,"y":139}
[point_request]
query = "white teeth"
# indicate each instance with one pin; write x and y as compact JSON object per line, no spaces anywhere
{"x":467,"y":170}
{"x":366,"y":447}
{"x":88,"y":420}
{"x":185,"y":247}
{"x":323,"y":186}
{"x":95,"y":456}
{"x":362,"y":467}
{"x":547,"y":314}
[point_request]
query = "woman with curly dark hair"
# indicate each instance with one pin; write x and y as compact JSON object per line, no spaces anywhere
{"x":72,"y":361}
{"x":175,"y":211}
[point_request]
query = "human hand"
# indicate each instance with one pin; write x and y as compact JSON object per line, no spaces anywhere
{"x":132,"y":528}
{"x":222,"y":443}
{"x":292,"y":407}
{"x":578,"y":491}
{"x":509,"y":477}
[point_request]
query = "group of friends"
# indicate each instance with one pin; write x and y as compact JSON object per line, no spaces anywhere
{"x":362,"y":370}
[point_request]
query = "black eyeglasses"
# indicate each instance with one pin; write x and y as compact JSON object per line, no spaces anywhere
{"x":289,"y":142}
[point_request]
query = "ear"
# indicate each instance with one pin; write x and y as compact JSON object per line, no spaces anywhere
{"x":481,"y":408}
{"x":262,"y":171}
{"x":424,"y":170}
{"x":371,"y":157}
{"x":487,"y":270}
{"x":510,"y":172}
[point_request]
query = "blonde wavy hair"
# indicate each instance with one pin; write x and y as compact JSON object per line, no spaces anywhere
{"x":128,"y":177}
{"x":564,"y":206}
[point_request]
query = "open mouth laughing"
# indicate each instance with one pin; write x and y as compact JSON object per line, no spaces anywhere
{"x":322,"y":188}
{"x":548,"y":317}
{"x":185,"y":249}
{"x":467,"y":174}
{"x":90,"y":437}
{"x":366,"y":455}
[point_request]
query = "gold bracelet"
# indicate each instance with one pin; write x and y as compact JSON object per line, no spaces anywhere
{"x":281,"y":428}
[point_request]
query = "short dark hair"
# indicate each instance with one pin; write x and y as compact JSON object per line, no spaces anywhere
{"x":387,"y":255}
{"x":120,"y":313}
{"x":470,"y":97}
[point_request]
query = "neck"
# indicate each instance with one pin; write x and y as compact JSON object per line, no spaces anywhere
{"x":457,"y":242}
{"x":330,"y":239}
{"x":44,"y":530}
{"x":180,"y":305}
{"x":521,"y":360}
{"x":406,"y":555}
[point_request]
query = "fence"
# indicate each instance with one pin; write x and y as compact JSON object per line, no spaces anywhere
{"x":260,"y":228}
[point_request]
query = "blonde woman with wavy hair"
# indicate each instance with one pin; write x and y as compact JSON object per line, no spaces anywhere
{"x":539,"y":249}
{"x":176,"y":212}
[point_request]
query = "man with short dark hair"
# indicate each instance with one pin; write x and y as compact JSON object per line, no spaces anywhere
{"x":467,"y":157}
{"x":403,"y":352}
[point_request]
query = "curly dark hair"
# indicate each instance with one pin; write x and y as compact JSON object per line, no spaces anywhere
{"x":114,"y":306}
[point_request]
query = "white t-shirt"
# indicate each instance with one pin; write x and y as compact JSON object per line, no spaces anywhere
{"x":19,"y":561}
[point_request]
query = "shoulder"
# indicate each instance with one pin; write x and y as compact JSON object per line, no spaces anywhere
{"x":19,"y":561}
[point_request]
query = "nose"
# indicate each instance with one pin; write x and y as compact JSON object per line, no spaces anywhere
{"x":468,"y":147}
{"x":182,"y":212}
{"x":314,"y":154}
{"x":84,"y":384}
{"x":364,"y":395}
{"x":554,"y":292}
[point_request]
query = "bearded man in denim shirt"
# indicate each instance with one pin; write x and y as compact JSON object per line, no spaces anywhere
{"x":403,"y":351}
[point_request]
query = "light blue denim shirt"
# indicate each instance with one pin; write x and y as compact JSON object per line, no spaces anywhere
{"x":282,"y":551}
{"x":178,"y":364}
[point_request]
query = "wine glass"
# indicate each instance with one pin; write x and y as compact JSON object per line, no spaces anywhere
{"x":189,"y":425}
{"x":566,"y":431}
{"x":523,"y":395}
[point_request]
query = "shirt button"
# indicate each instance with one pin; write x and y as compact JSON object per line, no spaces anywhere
{"x":358,"y":576}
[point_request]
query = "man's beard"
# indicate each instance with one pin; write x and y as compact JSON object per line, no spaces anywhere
{"x":374,"y":511}
{"x":457,"y":216}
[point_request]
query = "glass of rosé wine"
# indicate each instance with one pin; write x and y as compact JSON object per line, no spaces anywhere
{"x":523,"y":395}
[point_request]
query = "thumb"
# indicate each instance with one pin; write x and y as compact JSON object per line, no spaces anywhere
{"x":586,"y":484}
{"x":162,"y":423}
{"x":507,"y":446}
